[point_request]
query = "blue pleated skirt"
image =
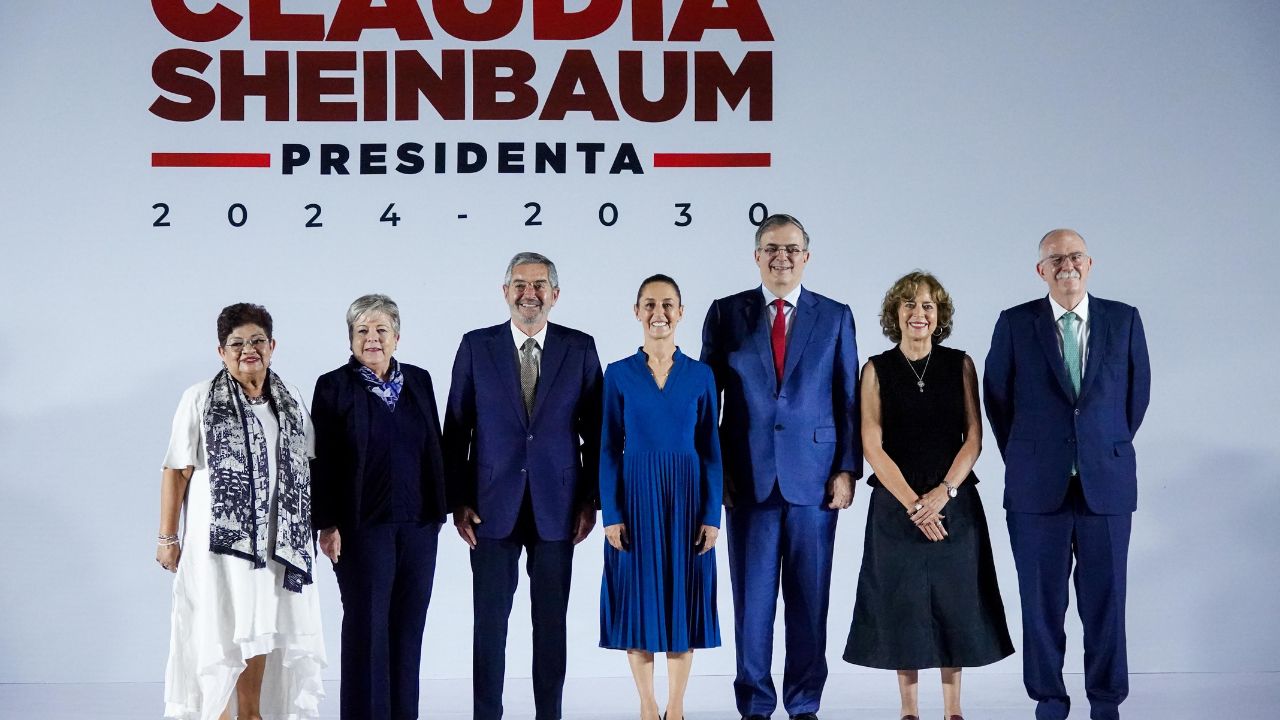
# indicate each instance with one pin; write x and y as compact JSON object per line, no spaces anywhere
{"x":659,"y":594}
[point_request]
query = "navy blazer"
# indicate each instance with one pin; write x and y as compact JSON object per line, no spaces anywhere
{"x":340,"y":412}
{"x":1042,"y":427}
{"x":493,"y":452}
{"x":798,"y":434}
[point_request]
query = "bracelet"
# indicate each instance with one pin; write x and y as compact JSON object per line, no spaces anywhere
{"x":166,"y":540}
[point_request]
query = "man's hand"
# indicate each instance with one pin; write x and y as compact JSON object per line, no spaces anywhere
{"x":331,"y":544}
{"x":465,"y":519}
{"x":586,"y":520}
{"x":840,"y":490}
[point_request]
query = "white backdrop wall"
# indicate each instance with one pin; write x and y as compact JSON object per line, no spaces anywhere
{"x":947,"y":136}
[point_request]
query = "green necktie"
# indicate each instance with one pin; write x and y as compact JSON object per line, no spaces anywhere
{"x":1071,"y":349}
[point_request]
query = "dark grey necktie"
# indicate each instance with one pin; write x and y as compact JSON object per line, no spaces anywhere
{"x":528,"y":374}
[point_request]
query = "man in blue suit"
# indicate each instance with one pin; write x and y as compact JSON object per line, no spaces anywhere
{"x":1067,"y":383}
{"x":522,"y":455}
{"x":786,"y":362}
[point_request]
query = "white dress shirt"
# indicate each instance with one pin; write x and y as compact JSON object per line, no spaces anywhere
{"x":540,"y":341}
{"x":1082,"y":328}
{"x":789,"y":309}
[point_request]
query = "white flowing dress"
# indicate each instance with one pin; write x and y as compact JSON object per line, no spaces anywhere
{"x":224,"y":610}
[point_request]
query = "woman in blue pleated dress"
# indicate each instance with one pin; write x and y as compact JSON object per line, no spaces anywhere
{"x":660,"y":491}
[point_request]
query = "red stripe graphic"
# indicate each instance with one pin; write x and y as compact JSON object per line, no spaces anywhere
{"x":211,"y":160}
{"x":710,"y":160}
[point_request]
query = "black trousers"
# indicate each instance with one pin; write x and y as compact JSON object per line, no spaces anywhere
{"x":495,"y":575}
{"x":385,"y":574}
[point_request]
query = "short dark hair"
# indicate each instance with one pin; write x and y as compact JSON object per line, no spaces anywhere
{"x":778,"y":220}
{"x":659,"y":277}
{"x":905,"y":289}
{"x":234,"y":316}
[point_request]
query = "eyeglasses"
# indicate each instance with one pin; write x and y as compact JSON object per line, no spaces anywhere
{"x":1058,"y":261}
{"x":237,"y":346}
{"x":538,"y":285}
{"x":790,"y":250}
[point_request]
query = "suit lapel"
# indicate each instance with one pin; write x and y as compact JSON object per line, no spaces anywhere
{"x":360,"y":412}
{"x":553,"y":356}
{"x":803,"y":323}
{"x":1098,"y":329}
{"x":503,"y":354}
{"x":757,"y":323}
{"x":1047,"y":331}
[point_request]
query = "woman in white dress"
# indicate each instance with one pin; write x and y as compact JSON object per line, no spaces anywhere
{"x":246,"y":618}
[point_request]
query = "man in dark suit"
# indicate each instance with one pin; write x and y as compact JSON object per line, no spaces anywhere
{"x":786,"y":362}
{"x":1067,"y":383}
{"x":522,"y":452}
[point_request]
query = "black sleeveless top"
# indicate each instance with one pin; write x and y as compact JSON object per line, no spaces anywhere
{"x":923,"y":429}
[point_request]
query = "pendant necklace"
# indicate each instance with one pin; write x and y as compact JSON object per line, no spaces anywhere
{"x":919,"y":375}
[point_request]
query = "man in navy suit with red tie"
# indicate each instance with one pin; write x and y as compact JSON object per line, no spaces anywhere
{"x":522,"y":455}
{"x":1067,"y":383}
{"x":786,"y":362}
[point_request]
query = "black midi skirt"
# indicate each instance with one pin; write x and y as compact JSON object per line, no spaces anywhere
{"x":924,"y":604}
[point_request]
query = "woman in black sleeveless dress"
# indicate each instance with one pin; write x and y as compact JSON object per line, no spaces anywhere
{"x":927,"y":592}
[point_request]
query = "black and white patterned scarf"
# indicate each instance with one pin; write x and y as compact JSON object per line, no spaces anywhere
{"x":389,"y":391}
{"x":241,"y":489}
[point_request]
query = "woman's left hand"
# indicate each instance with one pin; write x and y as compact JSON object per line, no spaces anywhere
{"x":931,"y":504}
{"x":168,"y":556}
{"x":707,"y":538}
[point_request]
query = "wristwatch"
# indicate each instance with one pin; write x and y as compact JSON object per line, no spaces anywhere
{"x":952,"y":490}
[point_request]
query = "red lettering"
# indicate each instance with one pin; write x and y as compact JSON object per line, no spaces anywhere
{"x":313,"y":85}
{"x":697,"y":16}
{"x":646,"y":20}
{"x":499,"y":20}
{"x":355,"y":16}
{"x":375,"y":86}
{"x":273,"y":84}
{"x":712,"y":78}
{"x":675,"y":86}
{"x":165,"y":73}
{"x":446,"y":90}
{"x":579,"y":68}
{"x":268,"y":22}
{"x":487,"y":84}
{"x":178,"y":19}
{"x":552,"y":22}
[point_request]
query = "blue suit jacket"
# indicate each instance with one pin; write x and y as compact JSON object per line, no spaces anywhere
{"x":797,"y":434}
{"x":341,"y":416}
{"x":1042,"y":427}
{"x":493,"y":452}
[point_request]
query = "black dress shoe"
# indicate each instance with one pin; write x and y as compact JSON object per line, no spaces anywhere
{"x":805,"y":716}
{"x":755,"y":717}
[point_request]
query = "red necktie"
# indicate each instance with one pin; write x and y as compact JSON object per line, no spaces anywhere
{"x":779,"y":337}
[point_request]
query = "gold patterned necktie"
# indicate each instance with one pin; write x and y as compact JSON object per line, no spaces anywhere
{"x":528,"y":374}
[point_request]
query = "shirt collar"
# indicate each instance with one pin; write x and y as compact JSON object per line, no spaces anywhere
{"x":1081,"y":310}
{"x":518,"y":336}
{"x":792,"y":297}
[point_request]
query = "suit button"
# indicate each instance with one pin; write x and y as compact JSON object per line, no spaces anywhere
{"x":777,"y":427}
{"x":1071,"y":441}
{"x":523,"y":471}
{"x":531,"y":437}
{"x":1077,"y":411}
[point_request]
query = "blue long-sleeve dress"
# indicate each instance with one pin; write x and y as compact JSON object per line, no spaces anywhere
{"x":660,"y":474}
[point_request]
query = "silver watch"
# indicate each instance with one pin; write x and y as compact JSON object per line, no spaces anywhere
{"x":952,"y":490}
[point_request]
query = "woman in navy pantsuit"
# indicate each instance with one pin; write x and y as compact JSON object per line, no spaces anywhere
{"x":660,"y":492}
{"x":378,"y":503}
